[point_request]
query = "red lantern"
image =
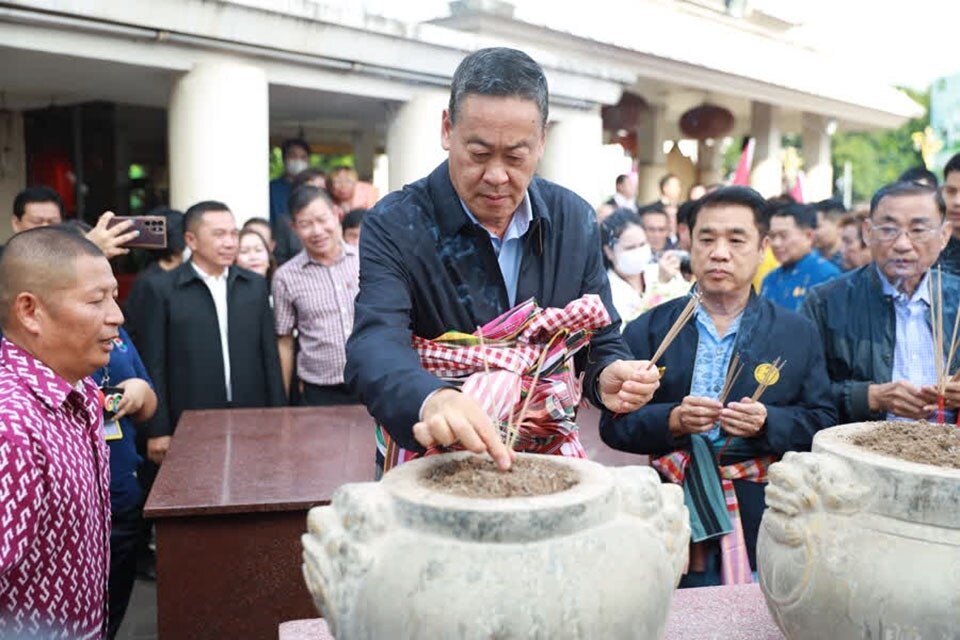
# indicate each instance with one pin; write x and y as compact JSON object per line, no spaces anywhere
{"x":706,"y":121}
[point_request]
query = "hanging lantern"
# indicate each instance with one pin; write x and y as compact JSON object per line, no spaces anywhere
{"x":706,"y":121}
{"x":625,"y":115}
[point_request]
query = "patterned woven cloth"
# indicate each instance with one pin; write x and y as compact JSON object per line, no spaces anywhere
{"x":674,"y":467}
{"x":518,"y":366}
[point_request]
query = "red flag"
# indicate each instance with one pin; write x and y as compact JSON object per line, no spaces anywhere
{"x":742,"y":175}
{"x":797,"y":191}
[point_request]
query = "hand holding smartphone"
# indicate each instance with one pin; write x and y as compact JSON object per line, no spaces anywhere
{"x":152,"y":231}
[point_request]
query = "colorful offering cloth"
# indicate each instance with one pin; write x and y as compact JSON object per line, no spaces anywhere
{"x":518,"y":366}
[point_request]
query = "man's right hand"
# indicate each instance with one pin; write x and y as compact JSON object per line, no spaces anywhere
{"x":694,"y":415}
{"x":450,"y":417}
{"x":899,"y":398}
{"x":157,"y":449}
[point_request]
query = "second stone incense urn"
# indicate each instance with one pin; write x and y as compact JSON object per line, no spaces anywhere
{"x":860,"y":545}
{"x":399,"y":559}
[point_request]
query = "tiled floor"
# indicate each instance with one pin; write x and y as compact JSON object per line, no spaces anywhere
{"x":140,"y":622}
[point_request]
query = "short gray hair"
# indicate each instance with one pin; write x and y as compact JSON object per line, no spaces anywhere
{"x":502,"y":72}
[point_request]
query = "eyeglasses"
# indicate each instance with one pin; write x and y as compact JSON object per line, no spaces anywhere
{"x":889,"y":233}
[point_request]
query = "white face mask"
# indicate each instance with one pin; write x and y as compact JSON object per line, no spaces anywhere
{"x":295,"y":166}
{"x":632,"y":261}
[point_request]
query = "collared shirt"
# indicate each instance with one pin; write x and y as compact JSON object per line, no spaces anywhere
{"x":54,"y":502}
{"x":913,"y":349}
{"x":787,"y":285}
{"x":622,"y":202}
{"x":631,"y":303}
{"x":317,"y":300}
{"x":714,"y":353}
{"x":218,"y":290}
{"x":509,"y":250}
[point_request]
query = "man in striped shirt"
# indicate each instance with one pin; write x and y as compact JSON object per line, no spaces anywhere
{"x":313,"y":293}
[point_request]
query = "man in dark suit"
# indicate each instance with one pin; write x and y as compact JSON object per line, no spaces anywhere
{"x":207,"y":331}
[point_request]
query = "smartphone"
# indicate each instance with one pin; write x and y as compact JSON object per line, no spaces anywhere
{"x":153,"y":231}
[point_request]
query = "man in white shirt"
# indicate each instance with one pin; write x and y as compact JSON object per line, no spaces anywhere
{"x":208,"y":332}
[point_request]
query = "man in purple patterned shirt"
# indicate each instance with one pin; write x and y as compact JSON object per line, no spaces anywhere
{"x":59,"y":318}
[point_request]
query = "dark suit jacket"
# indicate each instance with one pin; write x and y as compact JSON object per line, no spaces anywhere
{"x":179,"y":341}
{"x":425,"y":268}
{"x":798,"y":405}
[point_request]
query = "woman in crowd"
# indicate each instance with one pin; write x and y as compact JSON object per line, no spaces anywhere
{"x":636,"y":283}
{"x":254,"y":254}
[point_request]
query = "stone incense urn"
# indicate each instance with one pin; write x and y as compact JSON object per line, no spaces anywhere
{"x":858,"y":545}
{"x":401,"y":559}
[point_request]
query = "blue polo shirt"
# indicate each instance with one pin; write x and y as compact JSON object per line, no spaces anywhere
{"x":787,"y":285}
{"x":125,"y":363}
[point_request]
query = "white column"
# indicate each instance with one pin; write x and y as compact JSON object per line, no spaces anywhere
{"x":413,"y":138}
{"x":709,"y":162}
{"x":767,"y":174}
{"x":218,"y":138}
{"x":13,"y":167}
{"x":651,"y":161}
{"x":572,"y":155}
{"x":364,"y":152}
{"x":816,"y":158}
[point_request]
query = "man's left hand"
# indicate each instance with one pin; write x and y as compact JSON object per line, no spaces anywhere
{"x":134,"y":396}
{"x":745,"y":418}
{"x":951,"y":397}
{"x":627,"y":385}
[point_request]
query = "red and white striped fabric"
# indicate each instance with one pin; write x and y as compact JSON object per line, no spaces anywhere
{"x":499,"y":363}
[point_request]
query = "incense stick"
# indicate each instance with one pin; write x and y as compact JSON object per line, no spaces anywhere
{"x":483,"y":351}
{"x":935,"y":285}
{"x":678,"y":324}
{"x":769,"y":377}
{"x":733,"y":372}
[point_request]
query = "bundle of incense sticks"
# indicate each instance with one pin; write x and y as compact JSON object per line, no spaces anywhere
{"x":733,"y":372}
{"x":678,"y":324}
{"x":769,"y":377}
{"x":935,"y":283}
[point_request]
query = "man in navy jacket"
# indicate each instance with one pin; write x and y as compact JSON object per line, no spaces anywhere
{"x":463,"y":245}
{"x":740,"y":436}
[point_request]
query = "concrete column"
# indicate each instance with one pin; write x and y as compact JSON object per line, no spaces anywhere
{"x":413,"y":138}
{"x":709,"y":163}
{"x":13,"y":167}
{"x":816,"y":158}
{"x":573,"y":152}
{"x":364,"y":153}
{"x":651,"y":161}
{"x":218,"y":138}
{"x":767,"y":174}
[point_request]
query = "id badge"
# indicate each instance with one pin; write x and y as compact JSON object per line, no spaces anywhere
{"x":111,"y":429}
{"x":111,"y":404}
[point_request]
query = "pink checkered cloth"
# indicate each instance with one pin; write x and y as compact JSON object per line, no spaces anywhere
{"x":497,"y":365}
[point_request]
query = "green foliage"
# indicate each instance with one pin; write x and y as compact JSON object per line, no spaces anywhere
{"x":879,"y":157}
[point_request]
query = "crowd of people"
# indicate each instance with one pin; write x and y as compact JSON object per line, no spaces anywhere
{"x":827,"y":310}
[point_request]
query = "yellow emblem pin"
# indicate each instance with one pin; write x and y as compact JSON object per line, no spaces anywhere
{"x":767,"y":374}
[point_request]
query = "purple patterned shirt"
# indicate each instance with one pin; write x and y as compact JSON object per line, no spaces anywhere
{"x":54,"y":502}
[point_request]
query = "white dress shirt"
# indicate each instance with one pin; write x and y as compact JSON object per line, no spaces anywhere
{"x":218,"y":290}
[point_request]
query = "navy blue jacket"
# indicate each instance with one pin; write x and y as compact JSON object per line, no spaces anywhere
{"x":858,"y":332}
{"x":425,"y":268}
{"x":798,"y":405}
